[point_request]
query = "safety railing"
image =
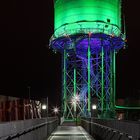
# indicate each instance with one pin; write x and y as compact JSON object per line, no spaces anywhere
{"x":46,"y":127}
{"x":102,"y":132}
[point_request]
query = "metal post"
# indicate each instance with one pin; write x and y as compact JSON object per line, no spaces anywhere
{"x":102,"y":97}
{"x":64,"y":81}
{"x":47,"y":108}
{"x":114,"y":76}
{"x":89,"y":96}
{"x":75,"y":109}
{"x":74,"y":83}
{"x":111,"y":81}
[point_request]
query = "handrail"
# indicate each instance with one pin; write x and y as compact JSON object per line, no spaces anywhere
{"x":12,"y":136}
{"x":95,"y":21}
{"x":64,"y":26}
{"x":109,"y":128}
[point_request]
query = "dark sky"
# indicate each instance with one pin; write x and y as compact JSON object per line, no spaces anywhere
{"x":25,"y":60}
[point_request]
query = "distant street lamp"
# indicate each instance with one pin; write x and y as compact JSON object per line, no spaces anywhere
{"x":94,"y":107}
{"x":75,"y":99}
{"x":94,"y":112}
{"x":55,"y":110}
{"x":44,"y":107}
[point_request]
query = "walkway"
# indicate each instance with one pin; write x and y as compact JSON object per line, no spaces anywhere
{"x":67,"y":132}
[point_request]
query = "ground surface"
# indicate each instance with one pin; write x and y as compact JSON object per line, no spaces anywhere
{"x":70,"y":132}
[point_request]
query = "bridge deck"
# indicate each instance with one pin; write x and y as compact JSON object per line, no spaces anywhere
{"x":70,"y":133}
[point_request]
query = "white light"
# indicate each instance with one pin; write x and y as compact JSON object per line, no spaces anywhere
{"x":73,"y":102}
{"x":44,"y":107}
{"x":77,"y":98}
{"x":56,"y":110}
{"x":94,"y":107}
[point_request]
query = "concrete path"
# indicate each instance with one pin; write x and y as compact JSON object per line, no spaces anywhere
{"x":70,"y":133}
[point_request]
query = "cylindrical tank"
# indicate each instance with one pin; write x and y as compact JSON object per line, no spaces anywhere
{"x":76,"y":16}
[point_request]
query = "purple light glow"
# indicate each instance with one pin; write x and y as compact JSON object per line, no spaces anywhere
{"x":80,"y":43}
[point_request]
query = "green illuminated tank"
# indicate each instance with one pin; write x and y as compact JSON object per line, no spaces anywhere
{"x":84,"y":16}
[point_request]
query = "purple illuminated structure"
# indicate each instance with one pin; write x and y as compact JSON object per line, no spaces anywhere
{"x":88,"y":49}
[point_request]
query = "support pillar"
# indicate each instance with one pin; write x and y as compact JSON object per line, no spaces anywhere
{"x":89,"y":80}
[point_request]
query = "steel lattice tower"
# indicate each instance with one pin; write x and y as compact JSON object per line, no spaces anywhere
{"x":88,"y":35}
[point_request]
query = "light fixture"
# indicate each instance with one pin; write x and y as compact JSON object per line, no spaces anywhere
{"x":94,"y":106}
{"x":55,"y":110}
{"x":44,"y":107}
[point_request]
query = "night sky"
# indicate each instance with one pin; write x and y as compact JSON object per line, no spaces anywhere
{"x":25,"y":58}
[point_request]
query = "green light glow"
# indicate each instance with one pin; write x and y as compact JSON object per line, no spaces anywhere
{"x":89,"y":55}
{"x":102,"y":99}
{"x":74,"y":88}
{"x":126,"y":107}
{"x":74,"y":14}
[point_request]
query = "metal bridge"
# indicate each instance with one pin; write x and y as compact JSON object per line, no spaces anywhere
{"x":53,"y":129}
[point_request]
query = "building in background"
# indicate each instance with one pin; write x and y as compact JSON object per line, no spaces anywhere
{"x":12,"y":108}
{"x":130,"y":109}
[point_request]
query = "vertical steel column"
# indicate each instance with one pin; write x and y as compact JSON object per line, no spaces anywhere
{"x":74,"y":81}
{"x":89,"y":84}
{"x":114,"y":77}
{"x":97,"y":67}
{"x":106,"y":81}
{"x":102,"y":81}
{"x":111,"y":81}
{"x":74,"y":84}
{"x":64,"y":81}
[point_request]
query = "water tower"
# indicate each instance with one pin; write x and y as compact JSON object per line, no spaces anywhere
{"x":88,"y":34}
